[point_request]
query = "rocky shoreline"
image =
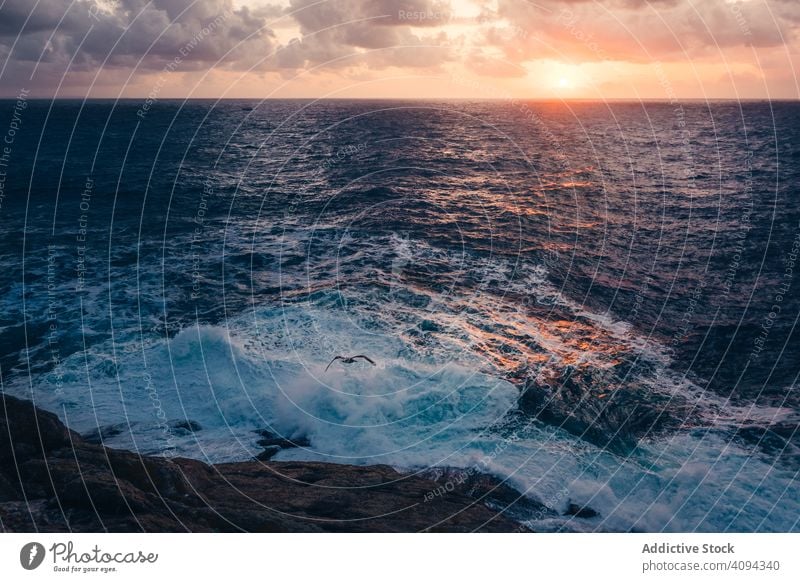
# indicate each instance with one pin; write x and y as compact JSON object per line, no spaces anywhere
{"x":54,"y":480}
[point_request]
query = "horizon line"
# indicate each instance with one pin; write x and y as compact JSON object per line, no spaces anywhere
{"x":484,"y":99}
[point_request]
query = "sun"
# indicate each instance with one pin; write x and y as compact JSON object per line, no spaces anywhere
{"x":564,"y":83}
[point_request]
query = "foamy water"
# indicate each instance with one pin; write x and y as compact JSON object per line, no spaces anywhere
{"x":220,"y":281}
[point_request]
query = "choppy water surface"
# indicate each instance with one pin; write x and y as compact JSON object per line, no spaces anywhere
{"x":596,"y":302}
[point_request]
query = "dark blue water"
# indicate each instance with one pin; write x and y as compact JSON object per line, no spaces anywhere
{"x":594,"y":301}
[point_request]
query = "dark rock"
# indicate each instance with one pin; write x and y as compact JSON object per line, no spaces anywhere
{"x":284,"y":443}
{"x":780,"y":441}
{"x":184,"y":427}
{"x":70,"y":484}
{"x":611,"y":409}
{"x":581,"y":511}
{"x":489,"y":490}
{"x":178,"y":427}
{"x":270,"y":439}
{"x":8,"y":490}
{"x":268,"y":453}
{"x":103,"y":433}
{"x":428,"y":325}
{"x":23,"y":427}
{"x":102,"y":493}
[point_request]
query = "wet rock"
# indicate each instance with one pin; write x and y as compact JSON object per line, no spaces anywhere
{"x":495,"y":493}
{"x":184,"y":427}
{"x":284,"y":443}
{"x":268,"y":453}
{"x":780,"y":441}
{"x":612,"y":410}
{"x":270,"y":439}
{"x":581,"y":511}
{"x":73,"y":485}
{"x":103,"y":433}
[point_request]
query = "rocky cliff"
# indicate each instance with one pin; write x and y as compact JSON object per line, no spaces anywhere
{"x":51,"y":479}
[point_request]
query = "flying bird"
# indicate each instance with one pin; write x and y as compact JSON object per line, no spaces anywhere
{"x":349,"y":360}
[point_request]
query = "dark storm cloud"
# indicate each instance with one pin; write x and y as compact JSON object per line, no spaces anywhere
{"x":130,"y":31}
{"x":18,"y":13}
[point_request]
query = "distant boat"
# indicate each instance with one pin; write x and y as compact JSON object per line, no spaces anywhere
{"x":247,"y":108}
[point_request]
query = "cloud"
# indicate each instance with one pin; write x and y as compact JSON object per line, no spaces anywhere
{"x":134,"y":33}
{"x":55,"y":37}
{"x":375,"y":33}
{"x":491,"y":38}
{"x":636,"y":30}
{"x":487,"y":66}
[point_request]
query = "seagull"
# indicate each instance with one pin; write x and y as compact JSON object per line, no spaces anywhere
{"x":349,"y":360}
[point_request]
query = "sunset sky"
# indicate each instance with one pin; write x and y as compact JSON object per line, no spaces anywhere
{"x":657,"y":49}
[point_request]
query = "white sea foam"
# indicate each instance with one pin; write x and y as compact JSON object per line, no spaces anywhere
{"x":419,"y":407}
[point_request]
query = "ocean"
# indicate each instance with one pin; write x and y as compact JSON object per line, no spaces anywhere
{"x":594,"y":302}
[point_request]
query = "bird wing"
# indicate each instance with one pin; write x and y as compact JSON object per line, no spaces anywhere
{"x":366,"y":358}
{"x":332,"y":361}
